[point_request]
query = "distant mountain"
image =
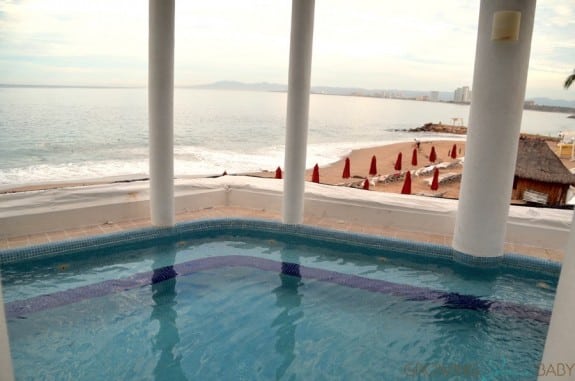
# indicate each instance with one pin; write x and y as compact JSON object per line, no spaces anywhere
{"x":235,"y":85}
{"x":553,"y":102}
{"x":17,"y":85}
{"x":446,"y":96}
{"x":329,"y":90}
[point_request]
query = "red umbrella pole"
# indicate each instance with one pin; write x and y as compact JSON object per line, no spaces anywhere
{"x":397,"y":166}
{"x":373,"y":166}
{"x":454,"y":151}
{"x":406,"y":184}
{"x":315,"y":174}
{"x":435,"y":181}
{"x":414,"y":157}
{"x":346,"y":169}
{"x":366,"y":184}
{"x":432,"y":155}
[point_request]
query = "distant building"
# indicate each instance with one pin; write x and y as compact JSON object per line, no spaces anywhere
{"x":462,"y":95}
{"x":434,"y":96}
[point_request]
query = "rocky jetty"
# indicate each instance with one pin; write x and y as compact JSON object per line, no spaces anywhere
{"x":442,"y":128}
{"x":462,"y":130}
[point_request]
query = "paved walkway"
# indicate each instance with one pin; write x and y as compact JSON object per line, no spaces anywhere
{"x":555,"y":255}
{"x":388,"y":231}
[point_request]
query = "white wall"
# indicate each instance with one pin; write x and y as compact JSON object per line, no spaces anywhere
{"x":65,"y":208}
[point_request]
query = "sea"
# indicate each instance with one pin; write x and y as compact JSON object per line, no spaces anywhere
{"x":51,"y":134}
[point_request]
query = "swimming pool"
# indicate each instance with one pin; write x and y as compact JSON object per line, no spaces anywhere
{"x":257,"y":300}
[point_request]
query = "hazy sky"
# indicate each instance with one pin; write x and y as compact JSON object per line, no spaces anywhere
{"x":381,"y":44}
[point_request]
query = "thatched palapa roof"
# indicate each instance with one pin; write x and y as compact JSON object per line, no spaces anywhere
{"x":536,"y":161}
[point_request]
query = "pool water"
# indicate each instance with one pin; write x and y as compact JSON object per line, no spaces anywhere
{"x":241,"y":308}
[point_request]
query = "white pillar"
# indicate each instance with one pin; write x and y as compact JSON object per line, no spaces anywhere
{"x":301,"y":42}
{"x":560,"y":343}
{"x":6,"y":372}
{"x":499,"y":80}
{"x":160,"y":106}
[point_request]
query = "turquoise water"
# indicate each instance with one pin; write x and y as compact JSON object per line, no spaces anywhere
{"x":269,"y":309}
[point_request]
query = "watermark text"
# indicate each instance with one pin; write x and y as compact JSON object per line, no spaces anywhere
{"x":558,"y":369}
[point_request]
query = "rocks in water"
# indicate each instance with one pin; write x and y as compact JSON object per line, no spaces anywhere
{"x":442,"y":128}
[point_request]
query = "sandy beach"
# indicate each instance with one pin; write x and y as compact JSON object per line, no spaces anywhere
{"x":92,"y":206}
{"x":360,"y":160}
{"x":386,"y":157}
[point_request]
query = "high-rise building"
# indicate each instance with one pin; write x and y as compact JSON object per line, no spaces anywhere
{"x":462,"y":95}
{"x":434,"y":96}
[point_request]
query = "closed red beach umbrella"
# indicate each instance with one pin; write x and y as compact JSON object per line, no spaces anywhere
{"x":315,"y":174}
{"x":454,"y":151}
{"x":346,"y":169}
{"x":366,"y":184}
{"x":432,"y":155}
{"x":373,"y":166}
{"x":414,"y":157}
{"x":397,"y":166}
{"x":278,"y":173}
{"x":406,"y":184}
{"x":435,"y":181}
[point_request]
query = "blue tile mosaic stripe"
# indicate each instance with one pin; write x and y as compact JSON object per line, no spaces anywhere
{"x":80,"y":245}
{"x":259,"y":228}
{"x":514,"y":260}
{"x":471,"y":260}
{"x":22,"y":308}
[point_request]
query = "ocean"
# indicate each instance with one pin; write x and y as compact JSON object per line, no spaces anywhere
{"x":70,"y":134}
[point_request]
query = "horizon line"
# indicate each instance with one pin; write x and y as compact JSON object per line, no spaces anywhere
{"x":20,"y":85}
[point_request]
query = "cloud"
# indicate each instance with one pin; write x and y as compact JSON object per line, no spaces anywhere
{"x":384,"y":44}
{"x":59,"y":39}
{"x":64,"y":27}
{"x":369,"y":43}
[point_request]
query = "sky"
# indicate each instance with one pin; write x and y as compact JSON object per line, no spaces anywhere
{"x":373,"y":44}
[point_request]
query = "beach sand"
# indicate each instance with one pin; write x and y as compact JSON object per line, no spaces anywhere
{"x":360,"y":159}
{"x":330,"y":174}
{"x":386,"y":156}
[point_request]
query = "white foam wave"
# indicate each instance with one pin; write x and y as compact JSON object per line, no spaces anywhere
{"x":71,"y":171}
{"x":188,"y":161}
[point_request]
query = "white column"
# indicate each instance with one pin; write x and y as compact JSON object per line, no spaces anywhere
{"x":160,"y":106}
{"x":499,"y":80}
{"x":301,"y":42}
{"x":560,"y":343}
{"x":6,"y":372}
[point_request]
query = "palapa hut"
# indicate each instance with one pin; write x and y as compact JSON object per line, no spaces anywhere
{"x":540,"y":176}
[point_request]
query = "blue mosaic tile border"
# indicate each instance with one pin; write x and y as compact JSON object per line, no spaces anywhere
{"x":22,"y":308}
{"x":80,"y":245}
{"x":514,"y":260}
{"x":258,"y":228}
{"x":471,"y":260}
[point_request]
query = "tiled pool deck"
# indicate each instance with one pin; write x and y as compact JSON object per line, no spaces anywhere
{"x":220,"y":212}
